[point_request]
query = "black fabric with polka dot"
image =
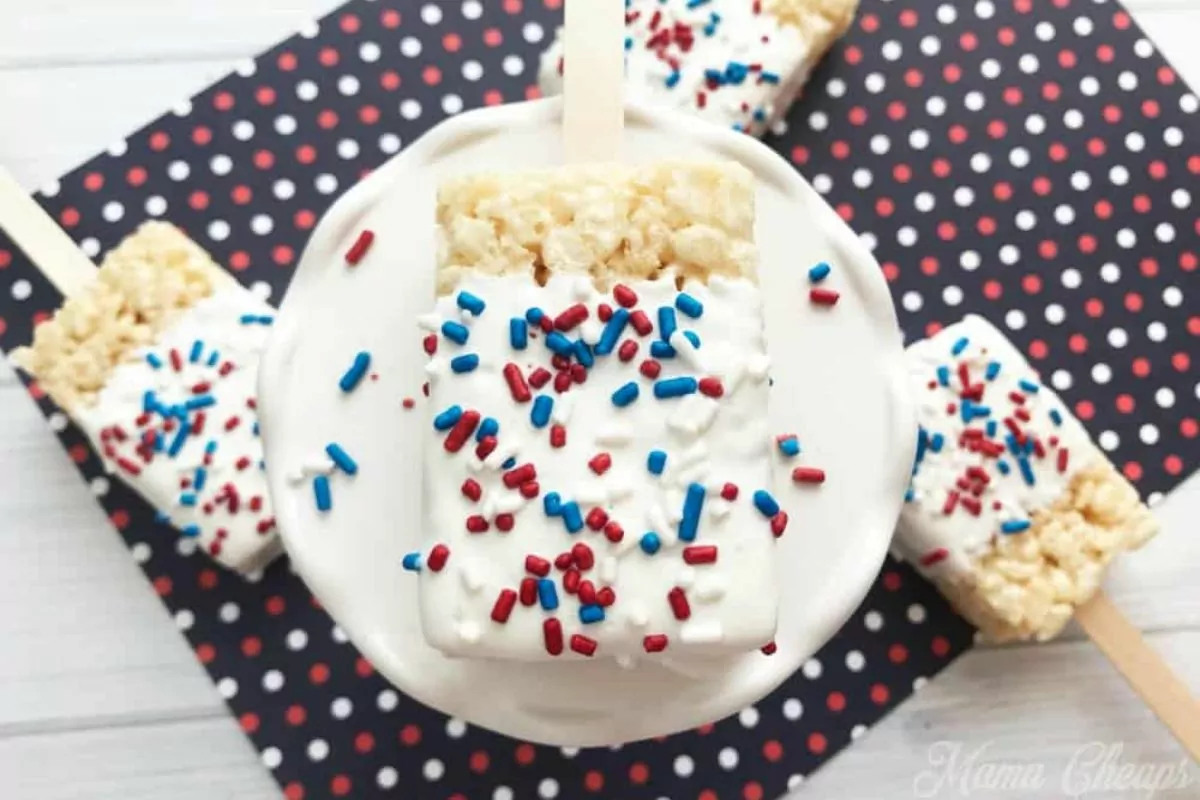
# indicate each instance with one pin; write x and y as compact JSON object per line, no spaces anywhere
{"x":1029,"y":166}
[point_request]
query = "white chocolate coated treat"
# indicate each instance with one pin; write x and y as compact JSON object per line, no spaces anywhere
{"x":1012,"y":509}
{"x":737,"y":63}
{"x":666,"y":564}
{"x":178,"y":424}
{"x":350,"y":555}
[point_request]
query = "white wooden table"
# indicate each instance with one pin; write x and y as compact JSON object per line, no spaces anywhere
{"x":99,"y":696}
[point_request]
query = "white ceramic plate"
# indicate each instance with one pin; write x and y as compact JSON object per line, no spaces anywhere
{"x":838,"y":383}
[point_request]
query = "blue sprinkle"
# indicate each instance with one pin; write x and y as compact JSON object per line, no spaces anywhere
{"x":612,"y":332}
{"x":714,"y":75}
{"x":922,"y":443}
{"x":540,"y":414}
{"x":213,"y":358}
{"x":153,"y":360}
{"x":203,"y":401}
{"x":518,"y":333}
{"x":625,"y":395}
{"x":412,"y":562}
{"x":675,"y":387}
{"x":1003,"y":466}
{"x":552,"y":504}
{"x":628,"y":42}
{"x":688,"y":305}
{"x":591,"y":614}
{"x":464,"y":363}
{"x":666,"y":322}
{"x":534,"y":315}
{"x":197,"y":351}
{"x":1014,"y":526}
{"x":770,"y":77}
{"x":991,"y":428}
{"x":820,"y":272}
{"x":559,"y":344}
{"x":159,"y":442}
{"x":661,"y":350}
{"x":321,"y":493}
{"x":471,"y":303}
{"x":489,"y":427}
{"x":455,"y":332}
{"x":200,"y":478}
{"x":149,"y":403}
{"x":547,"y":594}
{"x":909,"y":495}
{"x":509,"y":463}
{"x":943,"y":375}
{"x":160,"y":516}
{"x":765,"y":503}
{"x":936,"y":441}
{"x":1055,"y":416}
{"x":177,"y":444}
{"x":1013,"y":447}
{"x":760,"y":114}
{"x":445,"y":420}
{"x":254,"y":428}
{"x":255,"y":319}
{"x":354,"y":375}
{"x":1028,"y":445}
{"x":656,"y":462}
{"x":697,"y":3}
{"x":583,"y":352}
{"x":692,"y":337}
{"x":650,"y":543}
{"x":789,"y":446}
{"x":191,"y":531}
{"x":693,"y":503}
{"x":1026,"y":470}
{"x":572,"y":517}
{"x":959,"y":346}
{"x":993,"y":369}
{"x":673,"y":80}
{"x":211,"y":447}
{"x":187,"y":499}
{"x":341,"y":458}
{"x":1028,"y":386}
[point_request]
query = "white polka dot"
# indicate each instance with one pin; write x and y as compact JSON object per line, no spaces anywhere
{"x":1028,"y":63}
{"x":431,"y":14}
{"x":857,"y":732}
{"x":1148,"y":434}
{"x":835,"y":87}
{"x":547,"y":788}
{"x":246,"y":67}
{"x":229,"y":612}
{"x":184,"y":619}
{"x":326,"y":183}
{"x":924,"y":202}
{"x":931,"y":45}
{"x":984,"y":9}
{"x":1055,"y":314}
{"x":1156,"y":331}
{"x":918,"y":139}
{"x":891,"y":50}
{"x":243,"y":130}
{"x":433,"y":770}
{"x":569,"y":752}
{"x":1127,"y":80}
{"x":822,"y":183}
{"x":1181,"y":199}
{"x":369,"y":52}
{"x":452,"y":104}
{"x":869,"y":241}
{"x":410,"y":109}
{"x":218,"y":230}
{"x":502,"y":793}
{"x":513,"y":65}
{"x":387,"y":700}
{"x":684,"y":766}
{"x":348,"y":85}
{"x":812,"y":669}
{"x":156,"y":205}
{"x":272,"y":680}
{"x":1071,"y":279}
{"x":227,"y":688}
{"x":907,"y":236}
{"x":1126,"y":238}
{"x":220,"y":164}
{"x":118,"y":148}
{"x":90,"y":247}
{"x":338,"y":634}
{"x":532,"y":32}
{"x":389,"y":143}
{"x":272,"y":757}
{"x":792,"y":709}
{"x":880,"y":144}
{"x":855,"y":661}
{"x":1015,"y":319}
{"x":1189,"y":103}
{"x":1073,"y":119}
{"x":1108,"y":440}
{"x":1164,"y":397}
{"x":981,"y":162}
{"x":51,"y":188}
{"x":186,"y":546}
{"x":284,"y":189}
{"x":727,"y":758}
{"x":875,"y":83}
{"x":261,"y":224}
{"x":317,"y":750}
{"x":99,"y":486}
{"x":297,"y":639}
{"x":1135,"y":142}
{"x":990,"y":68}
{"x":916,"y":613}
{"x":969,"y":260}
{"x":112,"y":211}
{"x":310,"y":29}
{"x":307,"y":91}
{"x":1064,"y":215}
{"x":21,"y":289}
{"x":181,"y":108}
{"x":472,"y":9}
{"x":935,"y":106}
{"x":387,"y":777}
{"x":1061,"y":379}
{"x":347,"y":149}
{"x":140,"y":552}
{"x":1089,"y":85}
{"x":285,"y":124}
{"x":912,"y":301}
{"x":964,"y":196}
{"x":1173,"y":137}
{"x":1010,"y":254}
{"x":1026,"y":220}
{"x":1019,"y":157}
{"x":873,"y":621}
{"x":341,"y":708}
{"x":1101,"y":373}
{"x":1164,"y":232}
{"x":818,"y":120}
{"x":1035,"y":124}
{"x":1110,"y":273}
{"x":952,"y":295}
{"x":862,"y":178}
{"x":748,"y":717}
{"x":1118,"y":175}
{"x":1172,"y":296}
{"x":1081,"y":181}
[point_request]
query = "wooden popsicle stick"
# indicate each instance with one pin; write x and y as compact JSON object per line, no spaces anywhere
{"x":593,"y":80}
{"x":45,"y":244}
{"x":1143,"y":669}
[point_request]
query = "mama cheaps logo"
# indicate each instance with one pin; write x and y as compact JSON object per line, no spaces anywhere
{"x":1096,"y":769}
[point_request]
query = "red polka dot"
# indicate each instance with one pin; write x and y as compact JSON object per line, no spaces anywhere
{"x":493,"y":97}
{"x":286,"y":61}
{"x":952,"y":73}
{"x":1087,"y":243}
{"x":932,"y":329}
{"x":368,"y":115}
{"x":249,"y":722}
{"x":817,"y":743}
{"x":968,"y":41}
{"x":328,"y":57}
{"x":902,"y":173}
{"x":1042,"y":186}
{"x":840,"y":150}
{"x":163,"y":585}
{"x":1181,"y":361}
{"x":639,"y":773}
{"x":1173,"y":465}
{"x":202,"y":135}
{"x":208,"y":579}
{"x":306,"y":154}
{"x":947,"y":231}
{"x":1038,"y":349}
{"x":593,"y":781}
{"x":553,"y":4}
{"x":852,"y":55}
{"x":752,"y":791}
{"x":836,"y":701}
{"x":1141,"y":204}
{"x":525,"y":754}
{"x":845,"y":211}
{"x":305,"y":219}
{"x":350,"y":23}
{"x":940,"y":646}
{"x":294,"y":791}
{"x":78,"y":453}
{"x":941,"y":168}
{"x":1031,"y":283}
{"x":241,"y":195}
{"x":1093,"y":307}
{"x":1157,"y":170}
{"x":1150,"y":108}
{"x":1085,"y":410}
{"x":198,"y":200}
{"x":363,"y":668}
{"x":251,"y":646}
{"x":997,"y":129}
{"x":479,"y":762}
{"x":1105,"y":53}
{"x":986,"y":226}
{"x":1066,"y":59}
{"x":885,"y":206}
{"x":1187,"y":261}
{"x":410,"y":735}
{"x":800,"y":154}
{"x":93,"y":181}
{"x":1058,"y":152}
{"x":1013,"y":96}
{"x":1189,"y":428}
{"x":533,"y":92}
{"x":275,"y":605}
{"x":318,"y":674}
{"x":340,"y":786}
{"x":223,"y":101}
{"x":265,"y":95}
{"x":880,"y":694}
{"x":296,"y":715}
{"x":1141,"y":367}
{"x":264,"y":159}
{"x":892,"y":581}
{"x":119,"y":519}
{"x":1125,"y":403}
{"x":5,"y":259}
{"x":772,"y":751}
{"x":1051,"y":91}
{"x":239,"y":260}
{"x":1002,"y":191}
{"x":431,"y":75}
{"x":1132,"y":470}
{"x":136,"y":176}
{"x":929,"y":265}
{"x":890,"y":271}
{"x":452,"y":42}
{"x":1096,"y":147}
{"x":897,"y":111}
{"x":1133,"y":301}
{"x":390,"y":18}
{"x":364,"y":742}
{"x":914,"y":78}
{"x":512,"y":6}
{"x":492,"y":37}
{"x":1111,"y":114}
{"x":1006,"y":36}
{"x":327,"y":119}
{"x":992,"y":290}
{"x":898,"y":654}
{"x":69,"y":217}
{"x":707,"y":794}
{"x":1166,"y":75}
{"x":1193,"y":326}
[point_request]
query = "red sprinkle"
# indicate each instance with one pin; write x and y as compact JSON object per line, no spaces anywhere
{"x":641,"y":323}
{"x":1022,"y":414}
{"x":627,"y":350}
{"x":600,"y":463}
{"x":562,"y":382}
{"x":583,"y":556}
{"x":558,"y":436}
{"x":437,"y":557}
{"x":552,"y":635}
{"x":361,"y":246}
{"x":515,"y":477}
{"x":824,"y":297}
{"x":650,"y":368}
{"x":539,"y":377}
{"x":537,"y":565}
{"x":477,"y":524}
{"x":461,"y":431}
{"x":242,"y":463}
{"x":808,"y":475}
{"x":711,"y":387}
{"x":579,"y":373}
{"x":430,"y":344}
{"x":563,"y":561}
{"x":504,"y":605}
{"x":934,"y":557}
{"x":530,"y":489}
{"x":951,"y":502}
{"x":517,"y":386}
{"x":571,"y":317}
{"x":597,"y":518}
{"x":529,"y":591}
{"x":571,"y":581}
{"x":729,"y":492}
{"x":655,"y":643}
{"x":971,"y":504}
{"x":176,"y":360}
{"x":625,"y":296}
{"x":546,"y":324}
{"x":587,"y":593}
{"x":485,"y":447}
{"x":560,"y":362}
{"x":129,"y":466}
{"x":505,"y":522}
{"x":256,"y":503}
{"x":769,"y":648}
{"x":606,"y":597}
{"x":679,"y":603}
{"x":232,"y":423}
{"x":1017,"y":398}
{"x":225,"y":369}
{"x":604,"y":312}
{"x":198,"y":423}
{"x":613,"y":531}
{"x":700,"y":554}
{"x":583,"y":645}
{"x":779,"y":523}
{"x":1062,"y":460}
{"x":472,"y":490}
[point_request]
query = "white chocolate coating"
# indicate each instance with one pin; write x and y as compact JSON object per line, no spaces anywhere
{"x":708,"y":443}
{"x":229,"y":514}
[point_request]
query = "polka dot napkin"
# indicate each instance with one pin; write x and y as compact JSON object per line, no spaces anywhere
{"x":1031,"y":162}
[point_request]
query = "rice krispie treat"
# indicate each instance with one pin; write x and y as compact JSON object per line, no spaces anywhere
{"x":738,"y":63}
{"x":1013,"y":511}
{"x":156,"y":361}
{"x":598,"y":481}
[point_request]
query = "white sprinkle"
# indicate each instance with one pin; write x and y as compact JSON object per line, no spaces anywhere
{"x":590,"y":330}
{"x":469,"y":632}
{"x":590,"y":493}
{"x":718,"y":508}
{"x":430,"y":322}
{"x":706,"y":412}
{"x":687,"y":351}
{"x":697,"y":473}
{"x":682,"y":425}
{"x":488,"y":509}
{"x":616,"y":434}
{"x":472,"y":581}
{"x":510,"y":503}
{"x":475,"y":465}
{"x":697,"y":632}
{"x":561,"y":412}
{"x":757,"y":366}
{"x":733,"y":377}
{"x":608,"y":569}
{"x":583,"y":288}
{"x":620,"y":486}
{"x":436,"y":368}
{"x":637,"y":617}
{"x":685,"y":577}
{"x":626,"y":661}
{"x":503,"y":453}
{"x":709,"y":590}
{"x":693,"y":455}
{"x":656,"y":520}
